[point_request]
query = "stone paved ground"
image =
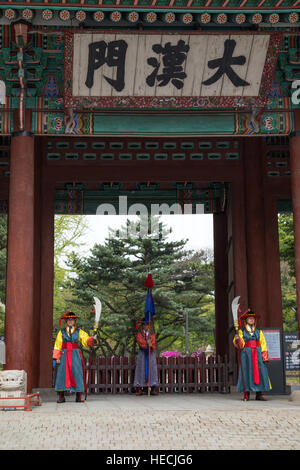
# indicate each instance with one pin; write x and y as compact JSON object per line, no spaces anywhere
{"x":215,"y":422}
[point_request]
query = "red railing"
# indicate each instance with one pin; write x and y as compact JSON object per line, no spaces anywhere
{"x":25,"y":402}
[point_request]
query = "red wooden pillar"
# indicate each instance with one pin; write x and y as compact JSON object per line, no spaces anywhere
{"x":20,"y":256}
{"x":295,"y":189}
{"x":46,"y":282}
{"x":237,"y":252}
{"x":221,"y":283}
{"x":255,"y":229}
{"x":37,"y":275}
{"x":274,"y":318}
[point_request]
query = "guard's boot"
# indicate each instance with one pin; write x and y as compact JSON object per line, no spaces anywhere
{"x":78,"y":398}
{"x":61,"y":397}
{"x":139,"y":391}
{"x":154,"y":391}
{"x":260,"y":397}
{"x":246,"y":396}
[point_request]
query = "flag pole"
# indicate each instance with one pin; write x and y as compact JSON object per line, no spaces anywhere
{"x":149,"y":309}
{"x":149,"y":362}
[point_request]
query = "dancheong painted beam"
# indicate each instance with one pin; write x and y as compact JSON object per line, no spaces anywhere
{"x":55,"y":109}
{"x":225,"y":5}
{"x":217,"y":13}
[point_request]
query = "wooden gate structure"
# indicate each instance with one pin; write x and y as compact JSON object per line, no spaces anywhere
{"x":187,"y":102}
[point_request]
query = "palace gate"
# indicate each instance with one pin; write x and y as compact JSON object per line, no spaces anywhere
{"x":171,"y":101}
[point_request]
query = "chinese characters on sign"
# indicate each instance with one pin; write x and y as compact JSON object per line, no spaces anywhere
{"x":113,"y":54}
{"x":137,"y":65}
{"x":173,"y":58}
{"x":224,"y":65}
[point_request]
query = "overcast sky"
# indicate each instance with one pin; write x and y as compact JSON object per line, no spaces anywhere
{"x":197,"y":228}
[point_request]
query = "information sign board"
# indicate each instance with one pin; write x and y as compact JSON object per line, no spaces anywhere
{"x":291,"y":346}
{"x":276,"y":368}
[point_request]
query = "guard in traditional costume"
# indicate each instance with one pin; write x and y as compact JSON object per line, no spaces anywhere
{"x":70,"y":371}
{"x":253,"y":372}
{"x":143,"y":368}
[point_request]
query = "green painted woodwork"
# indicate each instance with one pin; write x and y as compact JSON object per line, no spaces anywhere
{"x":38,"y":70}
{"x":214,"y":156}
{"x":53,"y":123}
{"x":92,"y":5}
{"x":232,"y":156}
{"x":156,"y":156}
{"x":278,"y":163}
{"x":164,"y":124}
{"x":75,"y":199}
{"x":43,"y":72}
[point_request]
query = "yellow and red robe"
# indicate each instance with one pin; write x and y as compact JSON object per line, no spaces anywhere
{"x":254,"y":355}
{"x":70,"y":372}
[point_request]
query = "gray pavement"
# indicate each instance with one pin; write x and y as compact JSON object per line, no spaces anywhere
{"x":165,"y":422}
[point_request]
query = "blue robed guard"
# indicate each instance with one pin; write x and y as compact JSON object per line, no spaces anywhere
{"x":253,"y":372}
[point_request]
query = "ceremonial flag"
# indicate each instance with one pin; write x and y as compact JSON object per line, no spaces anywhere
{"x":149,"y":306}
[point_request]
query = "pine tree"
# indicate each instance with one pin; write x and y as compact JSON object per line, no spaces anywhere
{"x":116,"y":271}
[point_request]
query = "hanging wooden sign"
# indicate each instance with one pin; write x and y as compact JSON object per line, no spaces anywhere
{"x":170,"y":70}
